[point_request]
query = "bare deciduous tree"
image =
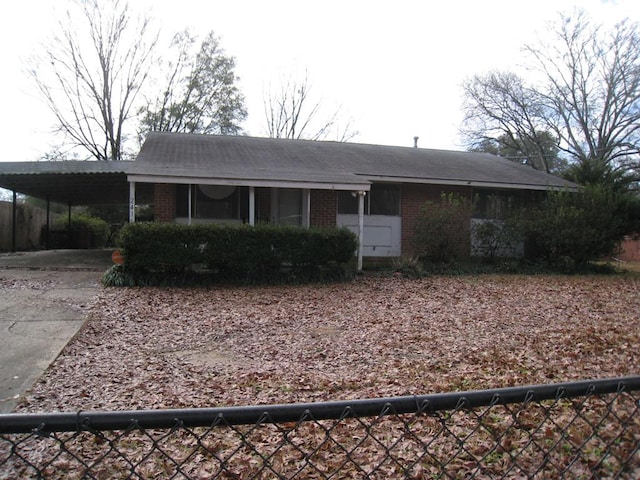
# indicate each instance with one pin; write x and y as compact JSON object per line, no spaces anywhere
{"x":500,"y":109}
{"x":587,"y":95}
{"x":592,"y":91}
{"x":293,"y":113}
{"x":91,"y":73}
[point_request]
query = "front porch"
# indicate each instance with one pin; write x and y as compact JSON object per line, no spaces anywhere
{"x":196,"y":203}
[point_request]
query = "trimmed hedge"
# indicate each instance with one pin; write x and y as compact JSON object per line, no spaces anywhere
{"x":91,"y":232}
{"x":258,"y":254}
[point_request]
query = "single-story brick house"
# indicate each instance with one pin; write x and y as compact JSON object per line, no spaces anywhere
{"x":377,"y":191}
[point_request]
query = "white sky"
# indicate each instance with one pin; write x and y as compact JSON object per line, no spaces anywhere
{"x":395,"y":67}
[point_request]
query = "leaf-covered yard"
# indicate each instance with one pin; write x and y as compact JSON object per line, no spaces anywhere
{"x":375,"y":337}
{"x":159,"y":348}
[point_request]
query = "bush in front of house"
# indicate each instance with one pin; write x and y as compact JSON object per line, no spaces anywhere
{"x":566,"y":232}
{"x":568,"y":229}
{"x":442,"y":230}
{"x":496,"y":238}
{"x":88,"y":231}
{"x":258,"y":253}
{"x":162,"y":253}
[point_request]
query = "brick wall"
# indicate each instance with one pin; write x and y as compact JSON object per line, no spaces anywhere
{"x":324,"y":207}
{"x":413,"y":199}
{"x":631,"y":249}
{"x":164,"y":201}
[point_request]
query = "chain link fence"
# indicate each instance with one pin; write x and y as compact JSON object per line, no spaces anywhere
{"x":588,"y":429}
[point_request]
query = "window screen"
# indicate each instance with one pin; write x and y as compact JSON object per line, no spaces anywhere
{"x":383,"y":199}
{"x":347,"y":203}
{"x":212,"y":202}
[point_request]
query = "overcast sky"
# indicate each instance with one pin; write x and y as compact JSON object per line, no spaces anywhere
{"x":395,"y":67}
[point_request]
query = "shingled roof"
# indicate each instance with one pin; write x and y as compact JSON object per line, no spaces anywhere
{"x":251,"y":159}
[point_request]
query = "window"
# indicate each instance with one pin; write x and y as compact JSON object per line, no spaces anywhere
{"x":215,"y":202}
{"x":348,"y":202}
{"x":382,"y":199}
{"x":495,"y":204}
{"x":289,"y":204}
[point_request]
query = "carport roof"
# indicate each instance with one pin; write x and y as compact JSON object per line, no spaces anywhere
{"x":69,"y":182}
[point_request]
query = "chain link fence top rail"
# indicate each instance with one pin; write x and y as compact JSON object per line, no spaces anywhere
{"x":586,"y":429}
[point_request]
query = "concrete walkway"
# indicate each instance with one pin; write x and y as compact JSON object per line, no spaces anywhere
{"x":42,"y":297}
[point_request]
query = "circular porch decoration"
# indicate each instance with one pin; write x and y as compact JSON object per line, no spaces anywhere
{"x":217,"y":192}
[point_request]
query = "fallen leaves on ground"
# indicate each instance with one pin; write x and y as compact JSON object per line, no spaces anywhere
{"x":149,"y":348}
{"x":376,"y":337}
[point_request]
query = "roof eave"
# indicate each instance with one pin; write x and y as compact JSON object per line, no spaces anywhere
{"x":470,"y":183}
{"x":244,"y":182}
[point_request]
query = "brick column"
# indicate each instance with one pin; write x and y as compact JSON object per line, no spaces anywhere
{"x":164,"y":202}
{"x":324,"y":208}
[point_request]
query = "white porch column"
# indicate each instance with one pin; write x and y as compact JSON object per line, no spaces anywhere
{"x":361,"y":195}
{"x":252,"y":206}
{"x":132,"y":202}
{"x":189,"y":205}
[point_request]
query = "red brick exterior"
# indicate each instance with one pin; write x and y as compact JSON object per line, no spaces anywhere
{"x":630,"y":249}
{"x":413,"y":198}
{"x":324,"y":208}
{"x":164,"y":202}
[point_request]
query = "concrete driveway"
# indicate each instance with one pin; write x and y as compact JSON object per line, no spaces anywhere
{"x":43,"y":296}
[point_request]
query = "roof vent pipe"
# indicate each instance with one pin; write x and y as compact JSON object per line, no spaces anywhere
{"x":415,"y":142}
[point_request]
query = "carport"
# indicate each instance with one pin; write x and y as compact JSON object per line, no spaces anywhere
{"x":71,"y":183}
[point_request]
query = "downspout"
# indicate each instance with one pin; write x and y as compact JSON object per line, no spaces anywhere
{"x":361,"y":195}
{"x":14,"y":222}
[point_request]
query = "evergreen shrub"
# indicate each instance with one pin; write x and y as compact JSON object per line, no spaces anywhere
{"x":238,"y":254}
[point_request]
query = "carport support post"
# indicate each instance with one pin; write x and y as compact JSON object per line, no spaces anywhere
{"x":132,"y":202}
{"x":47,"y":237}
{"x":69,"y":224}
{"x":14,"y":222}
{"x":361,"y":195}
